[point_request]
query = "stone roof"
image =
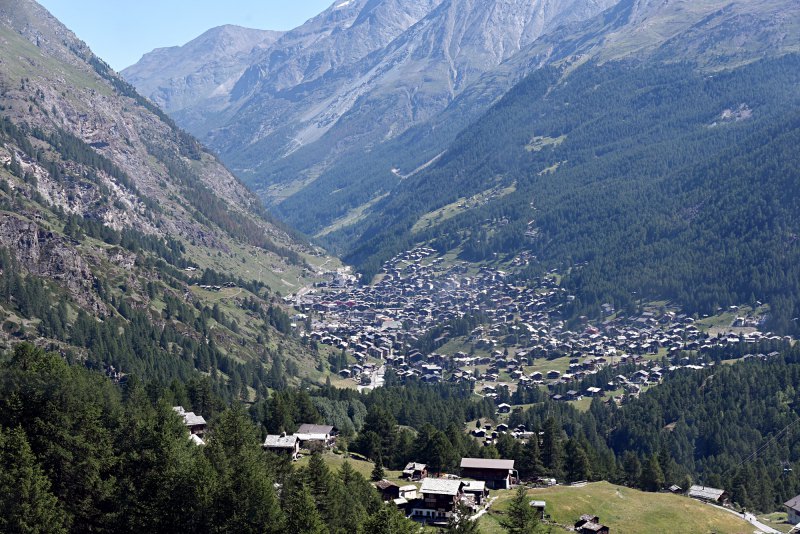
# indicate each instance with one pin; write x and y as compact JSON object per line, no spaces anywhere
{"x":486,"y":463}
{"x":706,"y":493}
{"x":315,"y":429}
{"x":282,"y":441}
{"x":441,"y":486}
{"x":413,"y":466}
{"x":793,"y":503}
{"x":189,"y":418}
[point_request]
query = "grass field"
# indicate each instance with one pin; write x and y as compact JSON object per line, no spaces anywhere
{"x":335,"y":461}
{"x":624,"y":510}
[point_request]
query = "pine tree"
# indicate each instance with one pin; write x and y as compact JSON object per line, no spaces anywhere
{"x":576,"y":462}
{"x":530,"y":464}
{"x":520,"y":517}
{"x":632,"y":467}
{"x":377,"y":471}
{"x":244,"y":500}
{"x":389,"y":520}
{"x":551,"y":447}
{"x":301,"y":512}
{"x":652,"y":475}
{"x":26,"y":503}
{"x":318,"y":479}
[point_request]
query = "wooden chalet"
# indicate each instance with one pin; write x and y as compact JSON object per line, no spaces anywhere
{"x":498,"y":474}
{"x":793,"y":510}
{"x":590,"y":524}
{"x":440,"y":496}
{"x":283,"y":444}
{"x":309,"y":435}
{"x":708,"y":494}
{"x":195,"y":423}
{"x":415,"y":471}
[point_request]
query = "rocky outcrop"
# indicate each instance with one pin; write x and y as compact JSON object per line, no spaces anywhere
{"x":46,"y":254}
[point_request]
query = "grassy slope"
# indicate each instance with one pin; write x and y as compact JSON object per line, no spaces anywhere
{"x":335,"y":461}
{"x":625,"y":510}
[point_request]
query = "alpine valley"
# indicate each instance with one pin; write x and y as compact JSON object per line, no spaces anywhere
{"x":413,"y":266}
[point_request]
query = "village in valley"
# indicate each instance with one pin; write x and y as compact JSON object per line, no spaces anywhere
{"x":436,"y":320}
{"x":440,"y":321}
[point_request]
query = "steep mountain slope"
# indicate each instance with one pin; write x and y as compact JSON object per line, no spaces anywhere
{"x":713,"y":34}
{"x":652,"y":180}
{"x":202,"y":70}
{"x":115,"y":225}
{"x":339,"y":37}
{"x":291,"y":118}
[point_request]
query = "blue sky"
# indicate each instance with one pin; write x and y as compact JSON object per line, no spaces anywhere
{"x":120,"y":31}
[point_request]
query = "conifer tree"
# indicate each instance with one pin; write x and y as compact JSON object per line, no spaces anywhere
{"x":520,"y":517}
{"x":652,"y":475}
{"x":26,"y":502}
{"x":377,"y":471}
{"x":301,"y":512}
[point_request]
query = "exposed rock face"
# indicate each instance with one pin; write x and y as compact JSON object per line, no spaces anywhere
{"x":206,"y":68}
{"x":150,"y":177}
{"x":360,"y":73}
{"x":44,"y":253}
{"x":308,"y":118}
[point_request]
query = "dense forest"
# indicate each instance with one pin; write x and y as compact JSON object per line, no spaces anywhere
{"x":92,"y":456}
{"x":639,"y":180}
{"x":80,"y":455}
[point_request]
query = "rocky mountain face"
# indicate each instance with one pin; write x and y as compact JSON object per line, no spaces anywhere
{"x":203,"y":70}
{"x":327,"y":142}
{"x":112,"y":212}
{"x":363,"y":72}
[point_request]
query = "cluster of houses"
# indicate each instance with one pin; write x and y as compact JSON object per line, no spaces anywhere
{"x":418,"y":292}
{"x":435,"y":500}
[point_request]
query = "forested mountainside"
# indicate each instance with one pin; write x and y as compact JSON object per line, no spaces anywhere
{"x":123,"y":243}
{"x":356,"y":159}
{"x":712,"y":34}
{"x":80,"y":455}
{"x":654,"y":181}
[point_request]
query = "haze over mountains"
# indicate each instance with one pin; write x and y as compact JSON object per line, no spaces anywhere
{"x":363,"y":72}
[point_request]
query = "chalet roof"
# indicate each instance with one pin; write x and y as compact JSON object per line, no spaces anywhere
{"x":486,"y":463}
{"x":705,"y":492}
{"x":383,"y":485}
{"x":311,"y":437}
{"x":315,"y":429}
{"x":474,"y":485}
{"x":441,"y":486}
{"x":189,"y":418}
{"x":591,"y":526}
{"x":793,"y":503}
{"x":275,"y":441}
{"x":413,"y":466}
